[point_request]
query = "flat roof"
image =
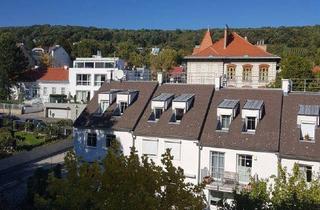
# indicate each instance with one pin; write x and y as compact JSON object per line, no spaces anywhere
{"x":163,"y":97}
{"x":253,"y":104}
{"x":310,"y":110}
{"x":228,"y":103}
{"x":183,"y":98}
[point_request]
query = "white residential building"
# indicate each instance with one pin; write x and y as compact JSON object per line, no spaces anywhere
{"x":88,"y":74}
{"x":238,"y":62}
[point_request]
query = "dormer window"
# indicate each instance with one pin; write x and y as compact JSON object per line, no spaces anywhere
{"x":181,"y":105}
{"x":307,"y":121}
{"x":227,"y":110}
{"x":159,"y":104}
{"x":124,"y":100}
{"x":105,"y":99}
{"x":252,"y":113}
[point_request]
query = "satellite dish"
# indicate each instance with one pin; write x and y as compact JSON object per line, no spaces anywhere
{"x":119,"y":75}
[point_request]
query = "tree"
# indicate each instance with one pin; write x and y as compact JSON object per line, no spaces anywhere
{"x":123,"y":183}
{"x":45,"y":61}
{"x":293,"y":67}
{"x":166,"y":59}
{"x":12,"y":64}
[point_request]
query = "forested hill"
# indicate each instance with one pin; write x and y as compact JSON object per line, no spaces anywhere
{"x":83,"y":41}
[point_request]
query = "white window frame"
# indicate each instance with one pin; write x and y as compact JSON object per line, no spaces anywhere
{"x":175,"y":114}
{"x":53,"y":90}
{"x":63,"y":91}
{"x":166,"y":146}
{"x":80,"y":81}
{"x":221,"y":121}
{"x":149,"y":154}
{"x":155,"y":112}
{"x":255,"y":124}
{"x":100,"y":81}
{"x":304,"y":170}
{"x":120,"y":107}
{"x":45,"y":91}
{"x":104,"y":108}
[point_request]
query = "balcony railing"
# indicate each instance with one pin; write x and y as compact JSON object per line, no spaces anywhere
{"x":227,"y":181}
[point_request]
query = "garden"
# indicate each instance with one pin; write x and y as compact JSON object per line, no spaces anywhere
{"x":23,"y":135}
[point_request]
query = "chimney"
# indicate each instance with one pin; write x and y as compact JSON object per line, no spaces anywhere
{"x":246,"y":38}
{"x":261,"y":45}
{"x":160,"y":77}
{"x":217,"y":83}
{"x":286,"y":85}
{"x":225,"y":37}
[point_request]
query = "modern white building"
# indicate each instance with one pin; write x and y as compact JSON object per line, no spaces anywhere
{"x":235,"y":59}
{"x":88,"y":74}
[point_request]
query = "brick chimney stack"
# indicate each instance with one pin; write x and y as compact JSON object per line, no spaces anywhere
{"x":225,"y":37}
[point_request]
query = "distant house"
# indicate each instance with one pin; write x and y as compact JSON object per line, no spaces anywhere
{"x":177,"y":74}
{"x":235,"y":59}
{"x":155,"y":50}
{"x":59,"y":56}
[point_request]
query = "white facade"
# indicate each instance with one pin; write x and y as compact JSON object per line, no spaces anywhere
{"x":47,"y":88}
{"x":205,"y":72}
{"x":185,"y":152}
{"x":289,"y":163}
{"x":263,"y":165}
{"x":88,"y":74}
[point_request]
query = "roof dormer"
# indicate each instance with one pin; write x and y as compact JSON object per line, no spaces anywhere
{"x":105,"y":99}
{"x":307,"y":121}
{"x":159,"y":104}
{"x":227,"y":110}
{"x":125,"y":99}
{"x":252,"y":113}
{"x":181,"y":105}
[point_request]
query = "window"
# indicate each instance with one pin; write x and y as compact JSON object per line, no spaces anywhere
{"x":104,"y":104}
{"x":231,"y":72}
{"x":89,"y":65}
{"x":99,"y":65}
{"x":83,"y":79}
{"x":217,"y":165}
{"x":92,"y":140}
{"x":99,"y":79}
{"x":244,"y":167}
{"x":109,"y":139}
{"x":83,"y":96}
{"x":307,"y":131}
{"x":251,"y":123}
{"x":45,"y":91}
{"x":179,"y":114}
{"x":157,"y":113}
{"x":306,"y":172}
{"x":225,"y":122}
{"x":63,"y":91}
{"x":150,"y":147}
{"x":123,"y":107}
{"x":175,"y":149}
{"x":79,"y":65}
{"x":247,"y":73}
{"x":109,"y":65}
{"x":53,"y":90}
{"x":263,"y":74}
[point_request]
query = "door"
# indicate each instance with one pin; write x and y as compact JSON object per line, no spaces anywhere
{"x":244,"y":168}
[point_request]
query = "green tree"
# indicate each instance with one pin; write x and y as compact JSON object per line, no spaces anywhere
{"x":123,"y":183}
{"x":12,"y":63}
{"x":166,"y":59}
{"x":294,"y":67}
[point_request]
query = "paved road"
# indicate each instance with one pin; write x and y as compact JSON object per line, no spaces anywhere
{"x":13,"y":183}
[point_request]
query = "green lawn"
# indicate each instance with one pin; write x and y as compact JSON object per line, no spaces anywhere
{"x":29,"y":139}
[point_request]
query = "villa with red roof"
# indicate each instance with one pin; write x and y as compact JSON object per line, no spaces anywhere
{"x":232,"y":58}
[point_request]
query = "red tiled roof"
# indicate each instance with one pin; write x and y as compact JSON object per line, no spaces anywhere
{"x":316,"y":69}
{"x":55,"y":74}
{"x":237,"y":47}
{"x":176,"y":70}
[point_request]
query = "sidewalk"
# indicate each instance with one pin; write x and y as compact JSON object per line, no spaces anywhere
{"x":35,"y":154}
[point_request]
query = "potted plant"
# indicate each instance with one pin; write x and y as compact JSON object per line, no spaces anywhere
{"x":307,"y":137}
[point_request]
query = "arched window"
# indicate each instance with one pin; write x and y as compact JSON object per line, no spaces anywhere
{"x":247,"y":73}
{"x":231,"y":72}
{"x":263,"y":72}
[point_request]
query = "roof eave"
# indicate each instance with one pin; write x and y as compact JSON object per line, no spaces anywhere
{"x":231,"y":57}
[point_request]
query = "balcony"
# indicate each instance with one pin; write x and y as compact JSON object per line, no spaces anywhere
{"x":227,"y":182}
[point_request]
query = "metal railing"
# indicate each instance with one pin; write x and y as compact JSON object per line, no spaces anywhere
{"x":306,"y":85}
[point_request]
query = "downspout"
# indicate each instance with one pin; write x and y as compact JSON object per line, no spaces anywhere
{"x":279,"y":156}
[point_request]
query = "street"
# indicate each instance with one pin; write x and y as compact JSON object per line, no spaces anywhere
{"x":13,"y":182}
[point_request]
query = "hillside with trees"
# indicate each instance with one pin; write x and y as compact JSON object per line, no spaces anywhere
{"x":135,"y":45}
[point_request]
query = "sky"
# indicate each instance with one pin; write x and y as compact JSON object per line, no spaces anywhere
{"x":160,"y":14}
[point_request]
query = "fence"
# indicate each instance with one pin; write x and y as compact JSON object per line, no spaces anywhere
{"x":305,"y":85}
{"x":14,"y":109}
